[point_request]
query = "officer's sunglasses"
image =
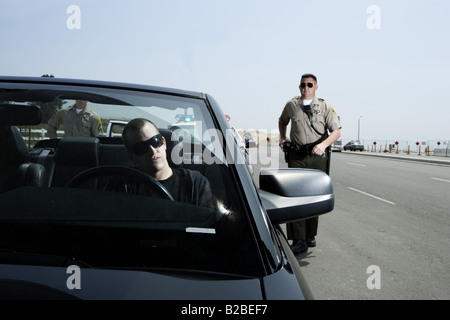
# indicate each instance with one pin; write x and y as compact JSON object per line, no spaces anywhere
{"x":304,"y":84}
{"x":140,"y":148}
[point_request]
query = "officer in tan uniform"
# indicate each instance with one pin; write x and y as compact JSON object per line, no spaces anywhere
{"x":311,"y":118}
{"x":79,"y":120}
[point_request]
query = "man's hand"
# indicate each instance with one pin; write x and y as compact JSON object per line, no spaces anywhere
{"x":318,"y":149}
{"x":281,"y":144}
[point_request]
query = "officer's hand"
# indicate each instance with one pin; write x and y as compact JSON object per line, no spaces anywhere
{"x":281,"y":144}
{"x":318,"y":149}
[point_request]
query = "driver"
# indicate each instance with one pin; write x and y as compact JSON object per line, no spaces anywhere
{"x":146,"y":147}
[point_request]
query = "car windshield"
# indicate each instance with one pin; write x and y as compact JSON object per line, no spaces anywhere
{"x":60,"y":220}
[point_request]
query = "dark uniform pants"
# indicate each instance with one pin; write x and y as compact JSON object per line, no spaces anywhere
{"x":306,"y":228}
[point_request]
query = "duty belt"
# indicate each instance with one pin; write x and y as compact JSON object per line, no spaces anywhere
{"x":303,"y":148}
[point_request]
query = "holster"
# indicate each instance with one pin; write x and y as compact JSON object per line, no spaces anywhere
{"x":306,"y":148}
{"x":286,"y":150}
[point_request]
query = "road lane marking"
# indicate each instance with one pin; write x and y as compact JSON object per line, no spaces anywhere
{"x":356,"y":164}
{"x":371,"y":195}
{"x":440,"y":180}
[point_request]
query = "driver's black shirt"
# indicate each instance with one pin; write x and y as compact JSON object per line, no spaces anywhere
{"x":184,"y":185}
{"x":189,"y":186}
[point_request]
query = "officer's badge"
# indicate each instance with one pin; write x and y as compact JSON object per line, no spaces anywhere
{"x":316,"y":111}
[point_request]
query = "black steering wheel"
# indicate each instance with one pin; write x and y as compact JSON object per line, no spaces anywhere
{"x":130,"y":173}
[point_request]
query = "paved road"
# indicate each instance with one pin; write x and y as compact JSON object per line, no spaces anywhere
{"x":390,"y":226}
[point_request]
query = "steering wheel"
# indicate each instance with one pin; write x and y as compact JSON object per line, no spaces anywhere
{"x":121,"y":171}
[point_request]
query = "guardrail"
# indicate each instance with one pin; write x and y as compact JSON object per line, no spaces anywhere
{"x":425,"y":147}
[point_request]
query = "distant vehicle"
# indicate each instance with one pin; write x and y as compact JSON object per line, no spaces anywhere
{"x":335,"y":149}
{"x":354,"y":146}
{"x":337,"y":146}
{"x":115,"y":128}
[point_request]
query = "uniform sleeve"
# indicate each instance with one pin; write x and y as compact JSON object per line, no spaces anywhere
{"x":53,"y":124}
{"x":96,"y":127}
{"x":332,"y":119}
{"x":284,"y":118}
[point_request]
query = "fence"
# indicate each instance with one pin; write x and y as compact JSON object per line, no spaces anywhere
{"x":425,"y":147}
{"x":32,"y":136}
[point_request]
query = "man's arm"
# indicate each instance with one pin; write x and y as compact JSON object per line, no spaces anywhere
{"x":52,"y":126}
{"x":282,"y":129}
{"x":96,"y":126}
{"x":319,"y":149}
{"x":205,"y":198}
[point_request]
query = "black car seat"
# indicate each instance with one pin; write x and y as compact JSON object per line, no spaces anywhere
{"x":73,"y":156}
{"x":15,"y":167}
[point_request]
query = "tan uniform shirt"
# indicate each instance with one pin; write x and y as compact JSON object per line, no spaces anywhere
{"x":84,"y":124}
{"x":323,"y":118}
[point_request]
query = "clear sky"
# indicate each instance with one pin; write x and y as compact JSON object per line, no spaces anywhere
{"x":384,"y":63}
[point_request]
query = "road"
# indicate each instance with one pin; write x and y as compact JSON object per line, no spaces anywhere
{"x":388,"y":236}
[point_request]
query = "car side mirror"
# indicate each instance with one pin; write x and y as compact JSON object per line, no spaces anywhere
{"x":290,"y":194}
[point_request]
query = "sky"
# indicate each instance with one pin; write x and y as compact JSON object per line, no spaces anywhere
{"x":384,"y":66}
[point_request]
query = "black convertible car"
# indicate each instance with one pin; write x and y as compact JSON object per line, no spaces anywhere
{"x":66,"y":234}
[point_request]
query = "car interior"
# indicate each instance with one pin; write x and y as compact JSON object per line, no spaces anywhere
{"x":44,"y":217}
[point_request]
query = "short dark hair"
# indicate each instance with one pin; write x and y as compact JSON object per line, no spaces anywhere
{"x":308,"y":75}
{"x":134,"y":126}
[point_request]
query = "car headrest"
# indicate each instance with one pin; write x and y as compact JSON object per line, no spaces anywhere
{"x":14,"y":149}
{"x":78,"y":151}
{"x":17,"y":115}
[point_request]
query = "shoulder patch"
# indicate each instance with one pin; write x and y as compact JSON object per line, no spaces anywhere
{"x":99,"y":122}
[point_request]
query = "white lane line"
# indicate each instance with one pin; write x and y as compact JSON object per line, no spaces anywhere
{"x":440,"y":179}
{"x":371,"y":195}
{"x":356,"y":164}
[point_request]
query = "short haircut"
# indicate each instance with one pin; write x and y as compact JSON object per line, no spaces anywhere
{"x":134,"y":126}
{"x":308,"y":75}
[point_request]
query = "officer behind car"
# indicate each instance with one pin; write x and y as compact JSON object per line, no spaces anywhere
{"x":78,"y":120}
{"x":311,"y":118}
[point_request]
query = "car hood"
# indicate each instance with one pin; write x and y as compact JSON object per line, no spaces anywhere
{"x":39,"y":282}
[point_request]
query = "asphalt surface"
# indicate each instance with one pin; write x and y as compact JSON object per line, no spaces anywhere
{"x":387,"y":238}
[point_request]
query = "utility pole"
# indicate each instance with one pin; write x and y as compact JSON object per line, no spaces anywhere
{"x":359,"y":126}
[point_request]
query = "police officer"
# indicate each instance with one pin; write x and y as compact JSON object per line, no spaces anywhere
{"x":79,"y":121}
{"x":311,"y":118}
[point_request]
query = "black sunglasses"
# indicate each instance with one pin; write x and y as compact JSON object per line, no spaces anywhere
{"x":140,"y":148}
{"x":303,"y":85}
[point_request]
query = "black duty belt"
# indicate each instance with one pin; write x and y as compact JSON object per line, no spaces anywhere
{"x":302,"y":148}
